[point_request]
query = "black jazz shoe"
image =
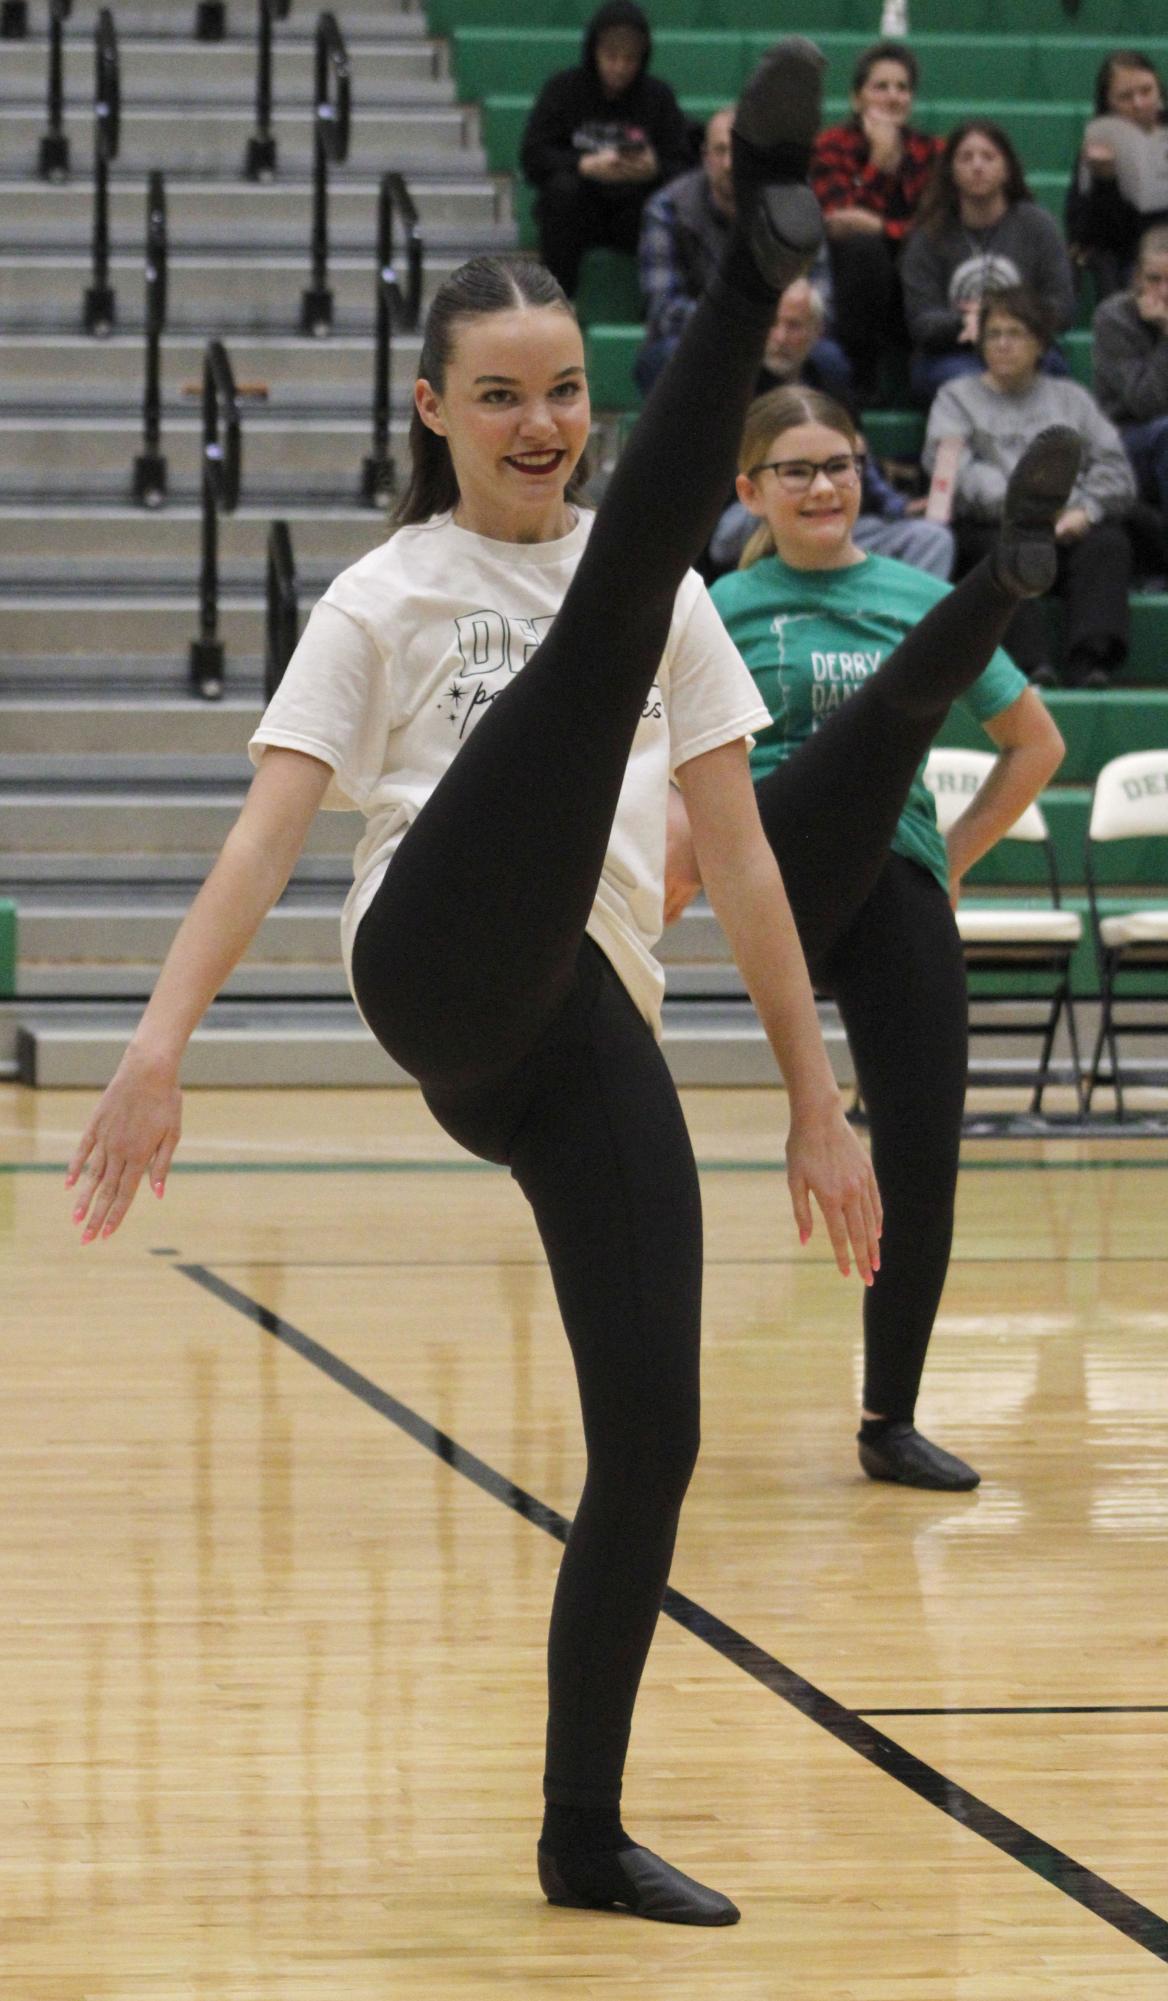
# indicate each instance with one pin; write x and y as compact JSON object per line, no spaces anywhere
{"x":900,"y":1453}
{"x":775,"y":121}
{"x":1026,"y":557}
{"x":633,"y":1880}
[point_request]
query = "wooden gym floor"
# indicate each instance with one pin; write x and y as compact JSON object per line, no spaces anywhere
{"x":284,"y":1465}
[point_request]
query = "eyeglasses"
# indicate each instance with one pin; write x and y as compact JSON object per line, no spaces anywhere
{"x":798,"y":475}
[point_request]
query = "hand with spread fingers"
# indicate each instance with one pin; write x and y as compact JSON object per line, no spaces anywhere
{"x":825,"y":1159}
{"x":133,"y":1132}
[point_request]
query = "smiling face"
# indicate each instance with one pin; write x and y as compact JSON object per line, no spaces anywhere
{"x":515,"y":414}
{"x":812,"y":529}
{"x":1135,"y":94}
{"x":980,"y":169}
{"x":887,"y":88}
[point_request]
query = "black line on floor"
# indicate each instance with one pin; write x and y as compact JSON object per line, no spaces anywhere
{"x":1143,"y":1926}
{"x":1034,"y":1709}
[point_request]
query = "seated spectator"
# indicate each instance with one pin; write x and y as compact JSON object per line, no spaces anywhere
{"x":998,"y":413}
{"x":978,"y":230}
{"x":888,"y":524}
{"x":1120,"y":184}
{"x":1131,"y":367}
{"x":869,"y":175}
{"x":684,"y":230}
{"x":600,"y":138}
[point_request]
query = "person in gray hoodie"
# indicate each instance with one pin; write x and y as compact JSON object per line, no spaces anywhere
{"x":1131,"y":366}
{"x":996,"y":415}
{"x":601,"y":136}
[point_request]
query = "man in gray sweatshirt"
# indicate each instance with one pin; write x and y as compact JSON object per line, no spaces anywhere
{"x":1131,"y":366}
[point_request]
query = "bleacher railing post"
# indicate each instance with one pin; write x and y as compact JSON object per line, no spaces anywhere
{"x":259,"y":161}
{"x":53,"y":155}
{"x":222,"y":463}
{"x":210,"y":20}
{"x":150,"y":464}
{"x":282,"y":621}
{"x":331,"y":144}
{"x":100,"y":307}
{"x":397,"y":310}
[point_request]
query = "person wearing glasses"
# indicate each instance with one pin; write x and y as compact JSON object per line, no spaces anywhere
{"x":872,"y":885}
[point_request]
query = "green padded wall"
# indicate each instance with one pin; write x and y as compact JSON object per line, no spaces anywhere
{"x":1118,"y":20}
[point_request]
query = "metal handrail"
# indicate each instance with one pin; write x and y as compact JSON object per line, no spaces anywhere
{"x":282,"y":620}
{"x":222,"y":469}
{"x":330,"y":145}
{"x":100,"y":309}
{"x":53,"y":157}
{"x":397,"y":312}
{"x":259,"y":161}
{"x":150,"y":464}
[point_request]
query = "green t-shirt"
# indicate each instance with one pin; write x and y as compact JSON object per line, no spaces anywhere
{"x":812,"y":637}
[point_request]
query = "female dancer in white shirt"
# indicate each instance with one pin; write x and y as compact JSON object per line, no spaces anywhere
{"x":511,"y":881}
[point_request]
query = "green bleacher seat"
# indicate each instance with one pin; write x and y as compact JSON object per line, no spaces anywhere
{"x":609,"y":291}
{"x":609,"y":353}
{"x":1118,"y":20}
{"x":970,"y":69}
{"x":1095,"y":727}
{"x":7,"y":949}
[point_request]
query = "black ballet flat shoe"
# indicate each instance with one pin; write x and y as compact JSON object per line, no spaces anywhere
{"x":901,"y":1454}
{"x":775,"y":121}
{"x":1026,"y":557}
{"x":633,"y":1880}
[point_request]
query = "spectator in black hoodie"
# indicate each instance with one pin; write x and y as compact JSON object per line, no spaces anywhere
{"x":600,"y":138}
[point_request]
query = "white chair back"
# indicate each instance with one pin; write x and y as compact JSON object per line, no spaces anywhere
{"x":953,"y":776}
{"x":1131,"y":797}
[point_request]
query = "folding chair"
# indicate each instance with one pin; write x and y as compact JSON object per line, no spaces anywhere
{"x":1130,"y":804}
{"x":1010,"y":936}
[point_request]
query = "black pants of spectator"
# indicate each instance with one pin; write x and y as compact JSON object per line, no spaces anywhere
{"x":1094,"y":578}
{"x":472,"y":967}
{"x":867,"y":306}
{"x":574,"y":215}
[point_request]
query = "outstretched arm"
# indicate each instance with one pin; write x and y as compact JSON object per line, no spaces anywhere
{"x":1031,"y":748}
{"x":136,"y":1126}
{"x":742,"y":881}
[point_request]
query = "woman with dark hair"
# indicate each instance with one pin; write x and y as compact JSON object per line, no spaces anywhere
{"x":1120,"y":184}
{"x":978,"y":230}
{"x":869,"y":174}
{"x":870,"y":880}
{"x":996,"y":414}
{"x":504,"y":689}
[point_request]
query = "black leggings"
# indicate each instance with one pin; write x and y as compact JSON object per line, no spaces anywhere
{"x":472,"y":968}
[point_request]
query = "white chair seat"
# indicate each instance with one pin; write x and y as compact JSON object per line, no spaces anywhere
{"x":1139,"y":927}
{"x":1003,"y":924}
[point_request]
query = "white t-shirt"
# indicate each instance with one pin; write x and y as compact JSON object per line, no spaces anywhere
{"x":411,"y":644}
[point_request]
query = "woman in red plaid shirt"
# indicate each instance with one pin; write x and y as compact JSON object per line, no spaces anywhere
{"x":869,"y":174}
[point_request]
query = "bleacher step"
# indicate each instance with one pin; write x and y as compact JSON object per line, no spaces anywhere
{"x":717,"y":1043}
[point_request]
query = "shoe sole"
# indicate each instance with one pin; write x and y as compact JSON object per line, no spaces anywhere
{"x":781,"y":101}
